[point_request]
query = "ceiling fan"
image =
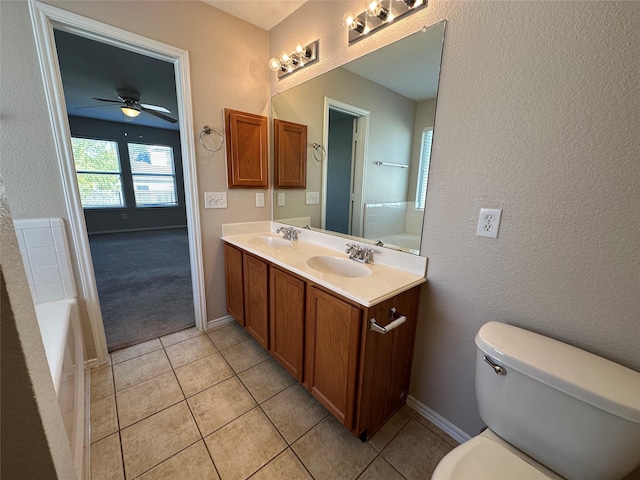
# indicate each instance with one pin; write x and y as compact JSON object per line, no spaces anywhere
{"x":130,"y":105}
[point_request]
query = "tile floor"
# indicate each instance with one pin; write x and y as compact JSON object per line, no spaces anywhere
{"x":213,"y":406}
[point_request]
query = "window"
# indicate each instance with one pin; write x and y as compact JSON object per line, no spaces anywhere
{"x":152,"y":169}
{"x":98,"y":171}
{"x":423,"y":171}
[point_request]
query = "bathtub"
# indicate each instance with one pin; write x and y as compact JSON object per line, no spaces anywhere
{"x":62,"y":338}
{"x":405,"y":240}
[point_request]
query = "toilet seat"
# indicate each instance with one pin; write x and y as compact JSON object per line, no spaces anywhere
{"x":487,"y":456}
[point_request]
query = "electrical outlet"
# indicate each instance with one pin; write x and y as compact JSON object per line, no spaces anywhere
{"x":313,"y":198}
{"x":489,"y":222}
{"x":260,"y":199}
{"x":215,"y":200}
{"x":281,"y":198}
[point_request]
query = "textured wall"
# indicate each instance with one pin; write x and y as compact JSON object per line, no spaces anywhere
{"x":538,"y":115}
{"x":228,"y":66}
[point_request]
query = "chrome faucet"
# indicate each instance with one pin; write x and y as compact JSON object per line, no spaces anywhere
{"x":289,"y":233}
{"x":359,"y":254}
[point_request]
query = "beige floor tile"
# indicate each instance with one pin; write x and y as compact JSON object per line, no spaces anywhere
{"x":104,"y":421}
{"x":106,"y":460}
{"x":156,"y":438}
{"x":415,"y":451}
{"x":294,"y":412}
{"x":193,"y":463}
{"x":180,"y":336}
{"x":244,"y":355}
{"x":220,"y":404}
{"x":380,"y":470}
{"x":101,"y":382}
{"x":148,"y":397}
{"x":284,"y":466}
{"x":266,"y":379}
{"x":228,"y":335}
{"x":389,"y":430}
{"x":437,"y":430}
{"x":139,"y":369}
{"x":128,"y":353}
{"x":242,"y":447}
{"x":331,"y":452}
{"x":186,"y":352}
{"x":203,"y":373}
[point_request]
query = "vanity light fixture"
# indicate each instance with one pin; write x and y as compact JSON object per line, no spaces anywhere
{"x":378,"y":14}
{"x":302,"y":56}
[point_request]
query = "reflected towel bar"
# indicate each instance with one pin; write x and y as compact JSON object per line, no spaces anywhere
{"x":392,"y":164}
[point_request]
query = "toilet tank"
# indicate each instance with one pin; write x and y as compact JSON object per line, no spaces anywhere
{"x":573,"y":411}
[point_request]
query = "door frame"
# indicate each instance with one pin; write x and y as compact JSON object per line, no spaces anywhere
{"x":360,"y":167}
{"x":44,"y":18}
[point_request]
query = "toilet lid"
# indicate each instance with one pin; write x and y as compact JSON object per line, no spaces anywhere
{"x":481,"y":458}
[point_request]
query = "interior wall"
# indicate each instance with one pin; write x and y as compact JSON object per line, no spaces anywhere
{"x":538,"y":115}
{"x":213,"y":38}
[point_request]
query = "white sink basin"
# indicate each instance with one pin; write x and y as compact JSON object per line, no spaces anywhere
{"x":267,"y":241}
{"x":342,"y":267}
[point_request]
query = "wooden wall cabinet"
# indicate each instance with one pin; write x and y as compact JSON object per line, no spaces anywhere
{"x":247,"y":150}
{"x":290,"y":154}
{"x":325,"y":342}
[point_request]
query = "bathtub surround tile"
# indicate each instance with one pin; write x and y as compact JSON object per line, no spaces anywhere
{"x":180,"y":336}
{"x":46,"y":274}
{"x":134,"y":351}
{"x":42,"y":256}
{"x":244,"y":355}
{"x":148,"y":397}
{"x":284,"y":466}
{"x":38,"y":237}
{"x":228,"y":335}
{"x":186,"y":352}
{"x":106,"y":459}
{"x":203,"y":373}
{"x":266,"y":379}
{"x":294,"y":412}
{"x":389,"y":430}
{"x":380,"y":470}
{"x":139,"y":369}
{"x":220,"y":404}
{"x":104,"y":421}
{"x":153,"y":440}
{"x":193,"y":463}
{"x":330,"y":452}
{"x":415,"y":451}
{"x":245,"y":445}
{"x":101,"y":382}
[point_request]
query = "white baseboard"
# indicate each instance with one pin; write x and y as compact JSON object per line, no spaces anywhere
{"x":438,"y":420}
{"x":218,"y":322}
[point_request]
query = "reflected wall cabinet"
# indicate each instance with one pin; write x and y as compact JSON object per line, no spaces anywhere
{"x":290,"y":154}
{"x":247,"y":150}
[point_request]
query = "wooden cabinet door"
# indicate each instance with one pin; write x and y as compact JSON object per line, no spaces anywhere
{"x":234,"y":282}
{"x":256,"y":298}
{"x":290,"y":154}
{"x":332,"y":353}
{"x":287,"y":295}
{"x":247,"y":153}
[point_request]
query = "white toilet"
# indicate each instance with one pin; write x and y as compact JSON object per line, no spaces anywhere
{"x":552,"y":411}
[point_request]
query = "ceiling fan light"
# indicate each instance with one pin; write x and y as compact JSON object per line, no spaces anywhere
{"x":130,"y":112}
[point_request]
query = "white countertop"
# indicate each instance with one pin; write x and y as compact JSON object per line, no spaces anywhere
{"x":383,"y":283}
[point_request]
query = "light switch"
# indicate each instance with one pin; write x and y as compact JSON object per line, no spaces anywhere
{"x":215,"y":200}
{"x":260,"y":199}
{"x":313,"y":198}
{"x":281,"y":199}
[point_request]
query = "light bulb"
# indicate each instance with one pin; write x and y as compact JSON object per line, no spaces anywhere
{"x":376,"y":9}
{"x":130,"y":112}
{"x":302,"y":51}
{"x":275,"y":65}
{"x":350,"y":21}
{"x":285,"y":58}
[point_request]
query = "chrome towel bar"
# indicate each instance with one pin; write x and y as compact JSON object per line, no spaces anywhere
{"x":396,"y":318}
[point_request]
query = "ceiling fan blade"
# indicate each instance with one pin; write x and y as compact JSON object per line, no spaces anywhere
{"x":93,"y":106}
{"x":158,"y":114}
{"x":106,"y":100}
{"x":154,"y":108}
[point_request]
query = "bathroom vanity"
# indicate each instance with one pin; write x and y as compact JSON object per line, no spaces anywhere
{"x":324,"y":321}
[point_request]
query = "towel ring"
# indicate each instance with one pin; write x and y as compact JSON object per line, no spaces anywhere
{"x":316,"y":147}
{"x":206,"y":130}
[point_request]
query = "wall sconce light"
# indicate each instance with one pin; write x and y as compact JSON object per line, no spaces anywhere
{"x":302,"y":56}
{"x":378,"y":14}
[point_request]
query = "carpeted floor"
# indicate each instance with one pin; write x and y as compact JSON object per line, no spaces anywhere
{"x":144,"y":284}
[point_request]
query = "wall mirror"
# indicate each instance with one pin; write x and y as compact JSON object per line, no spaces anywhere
{"x":371,"y":122}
